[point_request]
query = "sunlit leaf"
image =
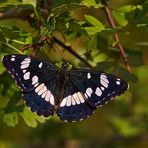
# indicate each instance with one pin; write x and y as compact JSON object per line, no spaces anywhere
{"x":2,"y":69}
{"x":11,"y":119}
{"x":124,"y":127}
{"x":90,"y":3}
{"x":95,"y":22}
{"x":120,"y":14}
{"x":31,"y":2}
{"x":30,"y":118}
{"x":91,"y":30}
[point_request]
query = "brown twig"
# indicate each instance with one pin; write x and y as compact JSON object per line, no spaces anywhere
{"x":116,"y":35}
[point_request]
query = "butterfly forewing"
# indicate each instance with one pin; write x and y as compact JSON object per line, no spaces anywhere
{"x":36,"y":78}
{"x":27,"y":70}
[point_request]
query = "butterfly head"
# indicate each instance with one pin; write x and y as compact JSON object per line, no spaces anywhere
{"x":65,"y":65}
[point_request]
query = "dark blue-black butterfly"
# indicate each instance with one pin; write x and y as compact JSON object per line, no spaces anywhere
{"x":73,"y":94}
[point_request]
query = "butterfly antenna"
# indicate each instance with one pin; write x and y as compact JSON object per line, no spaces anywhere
{"x":70,"y":50}
{"x":56,"y":48}
{"x":85,"y":53}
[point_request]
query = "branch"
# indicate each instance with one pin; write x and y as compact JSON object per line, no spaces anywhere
{"x":17,"y":12}
{"x":69,"y":49}
{"x":116,"y":35}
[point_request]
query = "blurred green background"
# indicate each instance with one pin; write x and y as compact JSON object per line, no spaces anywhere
{"x":120,"y":123}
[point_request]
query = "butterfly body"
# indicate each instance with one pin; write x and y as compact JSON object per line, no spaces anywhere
{"x":62,"y":78}
{"x":73,"y":94}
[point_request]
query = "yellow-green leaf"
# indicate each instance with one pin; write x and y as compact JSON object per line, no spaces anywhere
{"x":95,"y":22}
{"x":11,"y":119}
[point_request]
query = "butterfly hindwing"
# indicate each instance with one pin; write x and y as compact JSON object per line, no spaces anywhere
{"x":74,"y":107}
{"x":37,"y":80}
{"x":98,"y":87}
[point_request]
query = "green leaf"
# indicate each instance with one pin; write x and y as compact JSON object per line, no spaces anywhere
{"x":91,"y":30}
{"x":90,"y":3}
{"x":14,"y":48}
{"x":28,"y":117}
{"x":60,"y":24}
{"x":9,"y":32}
{"x":135,"y":57}
{"x":124,"y":127}
{"x":2,"y":37}
{"x":95,"y":22}
{"x":102,"y":43}
{"x":120,"y":14}
{"x":2,"y":69}
{"x":31,"y":2}
{"x":101,"y":66}
{"x":16,"y":97}
{"x":11,"y":119}
{"x":31,"y":118}
{"x":61,"y":2}
{"x":126,"y":75}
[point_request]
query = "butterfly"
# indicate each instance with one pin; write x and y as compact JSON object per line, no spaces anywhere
{"x":72,"y":94}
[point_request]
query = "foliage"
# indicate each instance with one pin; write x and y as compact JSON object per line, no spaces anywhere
{"x":83,"y":26}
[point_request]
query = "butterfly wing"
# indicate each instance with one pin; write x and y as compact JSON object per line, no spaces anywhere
{"x":36,"y":79}
{"x":74,"y":107}
{"x":87,"y":90}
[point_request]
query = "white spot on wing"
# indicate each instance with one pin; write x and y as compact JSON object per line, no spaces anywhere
{"x":63,"y":103}
{"x":13,"y":56}
{"x":34,"y":80}
{"x":88,"y":75}
{"x":25,"y":62}
{"x":36,"y":84}
{"x":80,"y":97}
{"x":86,"y":96}
{"x":40,"y":65}
{"x":27,"y":59}
{"x":52,"y":99}
{"x":104,"y":78}
{"x":118,"y":82}
{"x":69,"y":100}
{"x":75,"y":96}
{"x":89,"y":92}
{"x":27,"y":75}
{"x":39,"y":87}
{"x":48,"y":94}
{"x":12,"y":59}
{"x":24,"y":66}
{"x":104,"y":83}
{"x":44,"y":88}
{"x":102,"y":88}
{"x":24,"y":70}
{"x":98,"y":91}
{"x":44,"y":94}
{"x":73,"y":101}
